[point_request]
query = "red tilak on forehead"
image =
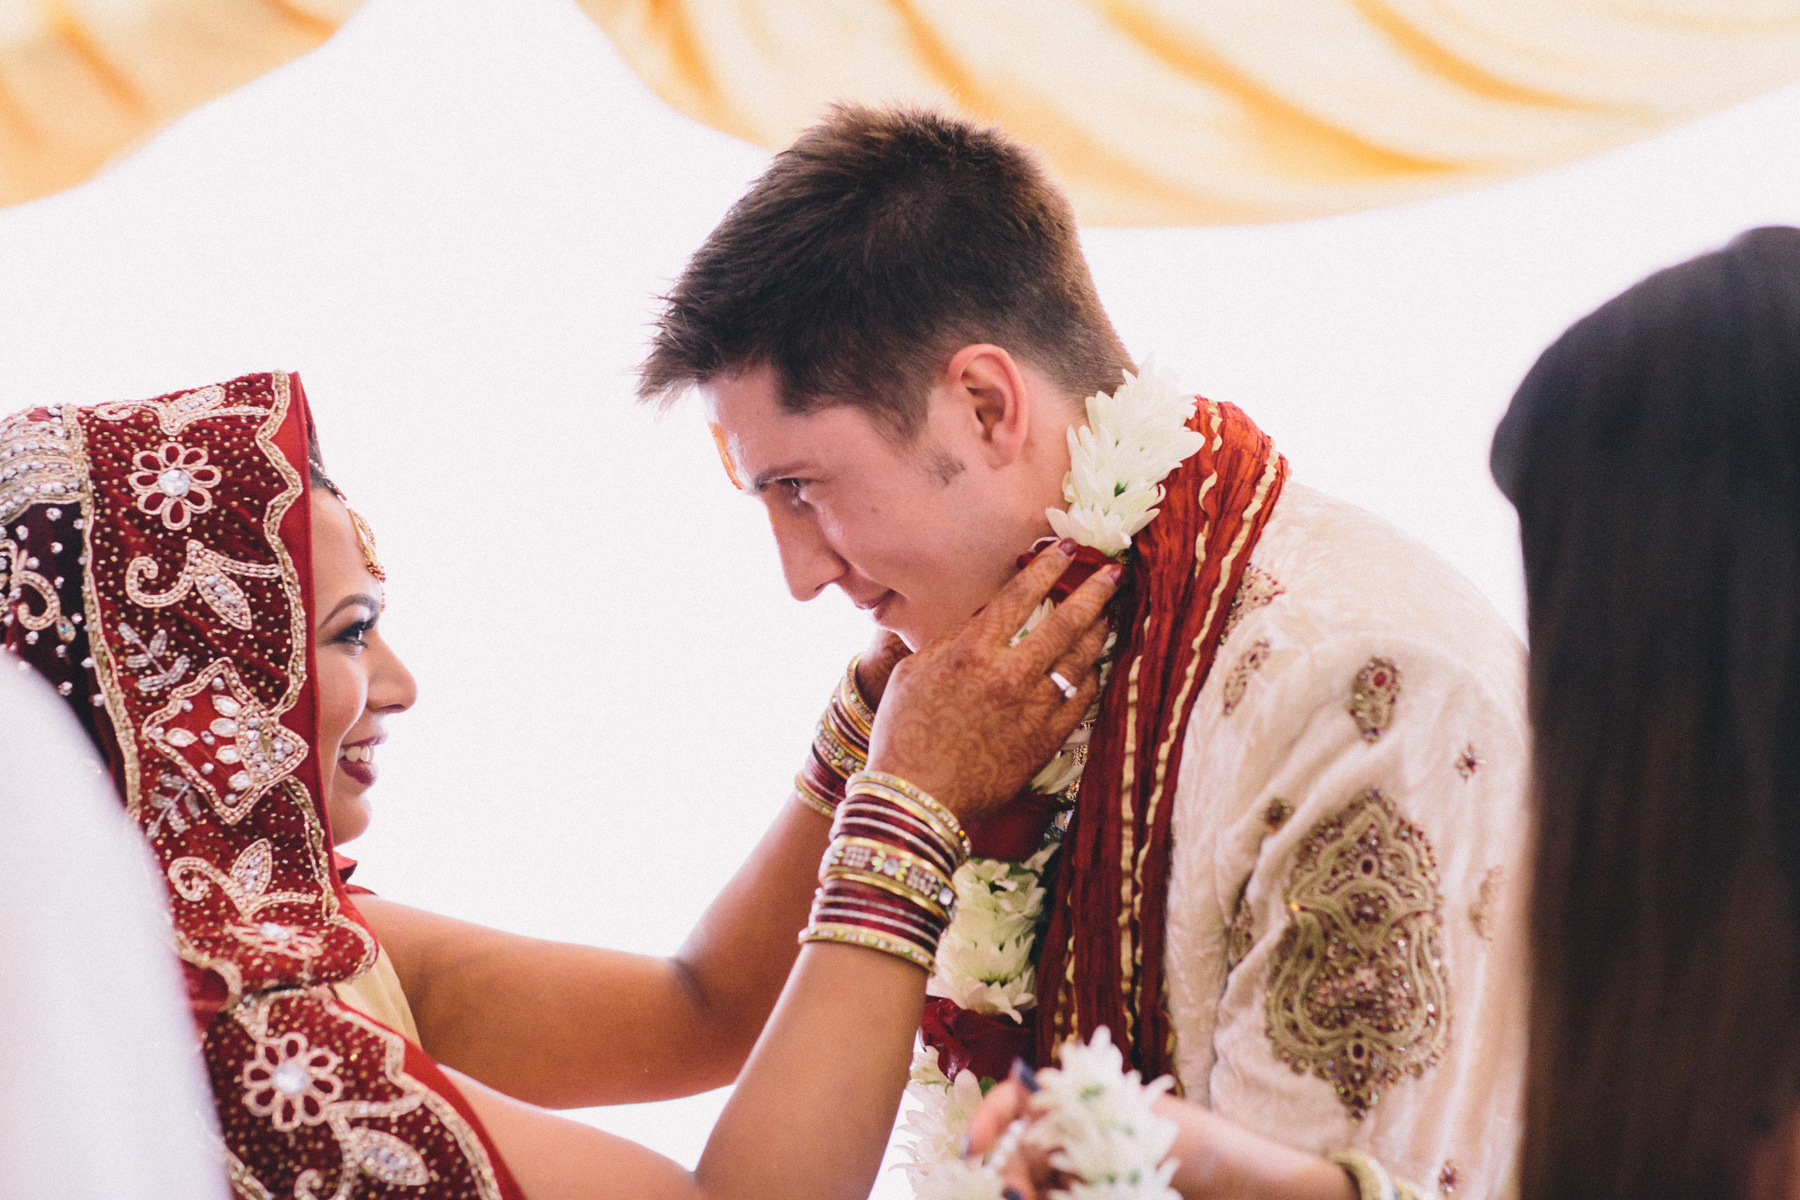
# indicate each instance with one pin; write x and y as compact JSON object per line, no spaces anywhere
{"x":721,"y":440}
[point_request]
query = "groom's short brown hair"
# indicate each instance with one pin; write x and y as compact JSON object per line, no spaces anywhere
{"x":873,"y":248}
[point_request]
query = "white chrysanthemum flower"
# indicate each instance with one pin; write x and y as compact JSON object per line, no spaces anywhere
{"x":1100,"y":1127}
{"x":939,"y":1128}
{"x":956,"y":1180}
{"x":1038,"y":614}
{"x":984,"y":957}
{"x":1118,"y":460}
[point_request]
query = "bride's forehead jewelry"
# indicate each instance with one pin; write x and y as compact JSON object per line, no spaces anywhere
{"x":365,"y":537}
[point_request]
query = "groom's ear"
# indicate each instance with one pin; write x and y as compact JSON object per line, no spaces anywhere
{"x":993,"y":401}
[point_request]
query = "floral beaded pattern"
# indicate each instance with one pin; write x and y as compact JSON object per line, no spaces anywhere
{"x":348,"y":1106}
{"x":1258,"y":590}
{"x":178,"y":629}
{"x":1372,"y":697}
{"x":1485,"y":911}
{"x":1238,"y":681}
{"x":174,"y":482}
{"x":37,"y":464}
{"x":1240,"y":931}
{"x":1468,"y":762}
{"x":1358,"y":991}
{"x":290,"y":1082}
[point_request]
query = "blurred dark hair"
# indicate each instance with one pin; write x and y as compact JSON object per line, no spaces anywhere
{"x":315,"y":464}
{"x":873,"y":248}
{"x":1653,"y":454}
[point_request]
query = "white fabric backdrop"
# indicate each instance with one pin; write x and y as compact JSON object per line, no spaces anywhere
{"x":452,"y":221}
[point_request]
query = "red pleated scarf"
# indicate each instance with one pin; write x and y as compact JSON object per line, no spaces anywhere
{"x":1101,"y":955}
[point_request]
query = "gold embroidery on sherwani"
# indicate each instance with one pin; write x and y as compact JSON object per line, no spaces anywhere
{"x":1486,"y":908}
{"x":1358,"y":992}
{"x":1468,"y":762}
{"x":1258,"y":589}
{"x":1372,"y":696}
{"x":1238,"y":682}
{"x":1240,"y":934}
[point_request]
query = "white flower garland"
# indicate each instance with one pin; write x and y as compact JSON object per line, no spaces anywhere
{"x":985,"y":960}
{"x":1096,"y":1123}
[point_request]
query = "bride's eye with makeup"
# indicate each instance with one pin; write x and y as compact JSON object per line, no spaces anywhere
{"x":354,"y":637}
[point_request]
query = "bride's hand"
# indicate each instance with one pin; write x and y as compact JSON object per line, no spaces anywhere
{"x":877,"y":664}
{"x":971,"y":719}
{"x":1027,"y":1171}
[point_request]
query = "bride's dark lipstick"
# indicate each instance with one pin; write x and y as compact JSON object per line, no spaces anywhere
{"x":363,"y":772}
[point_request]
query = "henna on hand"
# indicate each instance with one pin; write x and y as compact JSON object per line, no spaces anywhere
{"x":970,"y":718}
{"x":876,"y":665}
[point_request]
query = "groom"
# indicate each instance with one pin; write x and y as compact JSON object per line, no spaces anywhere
{"x":1289,"y":870}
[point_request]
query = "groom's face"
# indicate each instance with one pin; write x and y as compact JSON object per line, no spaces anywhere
{"x":898,"y":527}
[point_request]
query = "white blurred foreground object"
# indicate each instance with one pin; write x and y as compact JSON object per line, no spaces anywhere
{"x":101,"y":1092}
{"x":1095,"y":1121}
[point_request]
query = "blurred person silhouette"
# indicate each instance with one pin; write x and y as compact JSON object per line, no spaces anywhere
{"x":1653,"y":454}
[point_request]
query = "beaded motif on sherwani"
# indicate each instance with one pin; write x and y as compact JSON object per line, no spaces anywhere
{"x":1257,"y":590}
{"x":148,"y":576}
{"x":1240,"y":931}
{"x":1238,"y":682}
{"x":1372,"y":697}
{"x":1358,"y":991}
{"x":1485,"y":910}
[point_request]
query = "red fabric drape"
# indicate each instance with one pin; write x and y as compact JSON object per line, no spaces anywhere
{"x":157,"y":557}
{"x":1101,"y":952}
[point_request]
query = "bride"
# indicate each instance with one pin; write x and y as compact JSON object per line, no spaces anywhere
{"x":184,"y":573}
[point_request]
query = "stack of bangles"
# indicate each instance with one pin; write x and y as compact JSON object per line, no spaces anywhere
{"x":885,"y":880}
{"x":840,"y":747}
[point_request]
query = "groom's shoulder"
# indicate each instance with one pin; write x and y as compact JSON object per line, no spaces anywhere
{"x":1334,"y":577}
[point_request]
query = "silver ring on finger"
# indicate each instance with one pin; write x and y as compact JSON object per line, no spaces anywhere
{"x":1069,"y":690}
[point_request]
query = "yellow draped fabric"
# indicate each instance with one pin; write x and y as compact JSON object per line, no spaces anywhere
{"x":81,"y":80}
{"x":1150,"y":112}
{"x":1181,"y":112}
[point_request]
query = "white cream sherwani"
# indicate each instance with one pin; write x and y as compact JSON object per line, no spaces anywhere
{"x":1346,"y":929}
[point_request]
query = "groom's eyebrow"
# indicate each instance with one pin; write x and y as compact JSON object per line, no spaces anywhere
{"x":764,"y":478}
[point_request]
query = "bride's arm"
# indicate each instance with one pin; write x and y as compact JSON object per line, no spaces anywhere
{"x":567,"y":1026}
{"x":809,"y":1118}
{"x":815,"y":1105}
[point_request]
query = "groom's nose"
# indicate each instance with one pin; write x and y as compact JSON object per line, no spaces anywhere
{"x":807,"y":559}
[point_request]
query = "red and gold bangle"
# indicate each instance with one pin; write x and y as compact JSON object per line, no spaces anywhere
{"x":840,"y":746}
{"x":885,"y":880}
{"x":882,"y":865}
{"x":877,"y":786}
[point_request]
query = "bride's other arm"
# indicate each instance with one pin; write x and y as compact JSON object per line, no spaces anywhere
{"x":968,"y":721}
{"x":568,"y":1026}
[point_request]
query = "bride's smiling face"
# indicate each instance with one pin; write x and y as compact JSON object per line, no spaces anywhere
{"x":360,"y":680}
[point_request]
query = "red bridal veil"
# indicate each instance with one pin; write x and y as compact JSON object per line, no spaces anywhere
{"x":156,"y":564}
